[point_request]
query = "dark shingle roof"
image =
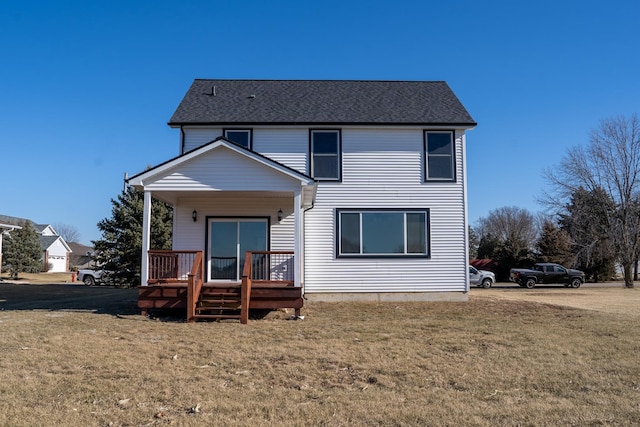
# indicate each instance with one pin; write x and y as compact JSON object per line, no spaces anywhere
{"x":14,"y":220}
{"x":46,"y":241}
{"x":11,"y":220}
{"x":320,"y":102}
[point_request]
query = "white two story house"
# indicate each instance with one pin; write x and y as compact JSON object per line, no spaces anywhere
{"x":363,"y":183}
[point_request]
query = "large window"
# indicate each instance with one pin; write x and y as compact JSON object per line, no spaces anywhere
{"x":383,"y":233}
{"x":239,"y":136}
{"x":440,"y":158}
{"x":325,"y":154}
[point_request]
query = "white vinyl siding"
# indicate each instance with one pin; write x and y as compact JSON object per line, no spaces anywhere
{"x":189,"y":235}
{"x":197,"y":137}
{"x":286,"y":146}
{"x":383,"y":169}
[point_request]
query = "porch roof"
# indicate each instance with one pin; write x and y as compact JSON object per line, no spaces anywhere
{"x":222,"y":165}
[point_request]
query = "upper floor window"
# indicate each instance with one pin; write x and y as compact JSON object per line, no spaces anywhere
{"x":440,"y":156}
{"x":325,"y":154}
{"x":383,"y":233}
{"x":239,"y":136}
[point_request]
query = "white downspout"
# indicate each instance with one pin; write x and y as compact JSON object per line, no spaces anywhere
{"x":463,"y":140}
{"x":146,"y":238}
{"x":297,"y":237}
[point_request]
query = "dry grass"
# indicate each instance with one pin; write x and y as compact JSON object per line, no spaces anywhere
{"x":485,"y":363}
{"x":39,"y":278}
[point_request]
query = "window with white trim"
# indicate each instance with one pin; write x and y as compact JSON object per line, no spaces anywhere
{"x":440,"y":156}
{"x":383,"y":233}
{"x":325,"y":155}
{"x":239,"y":136}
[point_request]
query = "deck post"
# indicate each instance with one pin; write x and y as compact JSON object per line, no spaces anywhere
{"x":146,"y":234}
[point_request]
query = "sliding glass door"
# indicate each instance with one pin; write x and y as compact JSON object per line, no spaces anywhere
{"x":229,"y":240}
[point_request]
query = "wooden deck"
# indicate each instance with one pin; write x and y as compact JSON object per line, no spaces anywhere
{"x":176,"y":280}
{"x":174,"y":295}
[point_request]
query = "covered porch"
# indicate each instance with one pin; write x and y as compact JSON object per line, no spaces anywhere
{"x":237,"y":233}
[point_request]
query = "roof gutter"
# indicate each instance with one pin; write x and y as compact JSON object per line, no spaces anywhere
{"x":463,"y":125}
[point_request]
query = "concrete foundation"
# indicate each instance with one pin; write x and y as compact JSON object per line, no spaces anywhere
{"x":388,"y":296}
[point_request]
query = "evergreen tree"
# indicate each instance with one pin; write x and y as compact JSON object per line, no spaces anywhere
{"x":554,"y":245}
{"x":487,"y":247}
{"x":587,"y":222}
{"x":119,"y":252}
{"x":22,"y":251}
{"x":474,"y":241}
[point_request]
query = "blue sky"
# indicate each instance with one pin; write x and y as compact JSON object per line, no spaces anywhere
{"x":86,"y":88}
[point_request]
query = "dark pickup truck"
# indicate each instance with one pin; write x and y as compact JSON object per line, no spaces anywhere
{"x":546,"y":273}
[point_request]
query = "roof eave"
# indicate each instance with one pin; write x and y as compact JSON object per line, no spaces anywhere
{"x":458,"y":125}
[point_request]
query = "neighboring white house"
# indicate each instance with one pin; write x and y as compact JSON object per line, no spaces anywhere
{"x":365,"y":181}
{"x":55,"y":250}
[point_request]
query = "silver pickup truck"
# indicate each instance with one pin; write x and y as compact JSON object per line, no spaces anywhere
{"x":481,"y":278}
{"x":90,"y":277}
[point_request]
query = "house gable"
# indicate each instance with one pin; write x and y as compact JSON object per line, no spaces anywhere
{"x":54,"y":243}
{"x":221,"y":166}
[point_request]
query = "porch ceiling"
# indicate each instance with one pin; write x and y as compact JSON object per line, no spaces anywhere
{"x":173,"y":197}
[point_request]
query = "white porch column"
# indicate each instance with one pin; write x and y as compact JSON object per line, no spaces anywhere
{"x":1,"y":232}
{"x":146,"y":238}
{"x":297,"y":238}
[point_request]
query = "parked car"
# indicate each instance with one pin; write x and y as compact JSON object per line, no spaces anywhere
{"x":90,"y":277}
{"x":546,"y":273}
{"x":481,"y":278}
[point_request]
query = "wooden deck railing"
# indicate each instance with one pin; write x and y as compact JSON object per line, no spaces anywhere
{"x":264,"y":267}
{"x":194,"y":285}
{"x":171,"y":266}
{"x":272,"y":267}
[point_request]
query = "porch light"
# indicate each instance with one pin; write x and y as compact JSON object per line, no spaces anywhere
{"x":194,"y":215}
{"x":280,"y":213}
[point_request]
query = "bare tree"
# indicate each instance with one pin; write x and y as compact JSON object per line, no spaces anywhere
{"x":510,"y":224}
{"x":611,"y":163}
{"x":68,"y":232}
{"x":508,"y":236}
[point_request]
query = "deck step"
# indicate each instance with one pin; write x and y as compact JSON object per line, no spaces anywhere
{"x":217,"y":308}
{"x":217,"y":316}
{"x":217,"y":304}
{"x":225,"y":294}
{"x":217,"y":301}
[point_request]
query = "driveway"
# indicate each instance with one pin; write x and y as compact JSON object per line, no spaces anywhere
{"x":609,"y":297}
{"x":68,"y":296}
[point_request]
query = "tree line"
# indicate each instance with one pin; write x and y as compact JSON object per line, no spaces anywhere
{"x":593,"y":202}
